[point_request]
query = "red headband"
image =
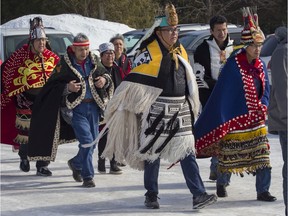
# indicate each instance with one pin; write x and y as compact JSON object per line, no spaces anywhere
{"x":83,"y":43}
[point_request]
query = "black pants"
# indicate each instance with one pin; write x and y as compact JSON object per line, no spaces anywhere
{"x":102,"y":145}
{"x":23,"y":155}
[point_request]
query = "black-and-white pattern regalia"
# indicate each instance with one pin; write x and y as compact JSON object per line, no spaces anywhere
{"x":144,"y":126}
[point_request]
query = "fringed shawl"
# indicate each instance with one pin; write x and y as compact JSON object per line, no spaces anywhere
{"x":127,"y":110}
{"x":233,"y":105}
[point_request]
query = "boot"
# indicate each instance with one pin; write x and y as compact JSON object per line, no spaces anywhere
{"x":221,"y":191}
{"x":24,"y":165}
{"x":101,"y":166}
{"x":114,"y":169}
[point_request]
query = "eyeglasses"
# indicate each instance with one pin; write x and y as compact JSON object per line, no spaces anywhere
{"x":255,"y":46}
{"x":171,"y":30}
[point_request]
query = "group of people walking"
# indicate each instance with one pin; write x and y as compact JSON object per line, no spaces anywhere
{"x":139,"y":113}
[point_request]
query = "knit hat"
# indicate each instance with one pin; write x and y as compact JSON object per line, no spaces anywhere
{"x":251,"y":32}
{"x":36,"y":29}
{"x":81,"y":40}
{"x":105,"y":47}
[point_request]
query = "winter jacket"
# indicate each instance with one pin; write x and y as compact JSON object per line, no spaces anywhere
{"x":277,"y":110}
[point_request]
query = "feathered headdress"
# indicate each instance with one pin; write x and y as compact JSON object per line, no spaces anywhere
{"x":169,"y":17}
{"x":36,"y":28}
{"x":251,"y":32}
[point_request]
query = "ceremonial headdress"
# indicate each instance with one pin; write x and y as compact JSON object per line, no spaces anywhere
{"x":167,"y":18}
{"x":36,"y":29}
{"x":251,"y":32}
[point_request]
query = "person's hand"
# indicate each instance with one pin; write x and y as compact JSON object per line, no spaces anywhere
{"x":73,"y":86}
{"x":100,"y":82}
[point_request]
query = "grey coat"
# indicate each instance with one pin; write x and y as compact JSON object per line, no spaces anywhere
{"x":277,"y":110}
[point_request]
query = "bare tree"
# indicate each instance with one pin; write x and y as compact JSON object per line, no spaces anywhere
{"x":83,"y":7}
{"x":202,"y":10}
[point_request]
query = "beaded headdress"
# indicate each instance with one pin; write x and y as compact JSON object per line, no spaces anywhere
{"x":251,"y":32}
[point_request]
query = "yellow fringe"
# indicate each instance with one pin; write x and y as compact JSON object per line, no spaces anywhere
{"x":246,"y":135}
{"x":242,"y":170}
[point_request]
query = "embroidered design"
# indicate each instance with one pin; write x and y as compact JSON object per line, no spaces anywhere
{"x":251,"y":144}
{"x":32,"y":75}
{"x":199,"y":71}
{"x":256,"y":110}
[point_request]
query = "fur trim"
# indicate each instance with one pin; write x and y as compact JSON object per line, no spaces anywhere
{"x":102,"y":104}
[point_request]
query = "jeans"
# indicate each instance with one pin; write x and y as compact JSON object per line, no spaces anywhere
{"x":85,"y":122}
{"x":222,"y":178}
{"x":263,"y":179}
{"x":214,"y":164}
{"x":190,"y":171}
{"x":283,"y":143}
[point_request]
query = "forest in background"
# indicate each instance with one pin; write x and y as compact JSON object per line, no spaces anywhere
{"x":141,"y":13}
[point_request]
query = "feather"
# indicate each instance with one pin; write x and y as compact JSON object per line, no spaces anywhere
{"x":170,"y":13}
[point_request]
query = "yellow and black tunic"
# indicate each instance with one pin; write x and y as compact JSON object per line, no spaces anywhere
{"x":149,"y":115}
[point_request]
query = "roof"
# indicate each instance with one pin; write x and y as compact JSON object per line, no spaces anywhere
{"x":200,"y":32}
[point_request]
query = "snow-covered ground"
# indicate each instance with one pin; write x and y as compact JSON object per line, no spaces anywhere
{"x":26,"y":194}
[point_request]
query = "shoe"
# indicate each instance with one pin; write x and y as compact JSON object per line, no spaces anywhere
{"x":43,"y":171}
{"x":204,"y":200}
{"x":114,"y":169}
{"x":152,"y":202}
{"x":221,"y":191}
{"x":88,"y":183}
{"x":213,"y":176}
{"x":121,"y":164}
{"x":101,"y":166}
{"x":75,"y":173}
{"x":24,"y":165}
{"x":266,"y":196}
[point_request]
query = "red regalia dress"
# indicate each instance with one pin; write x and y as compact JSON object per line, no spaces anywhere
{"x":23,"y":72}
